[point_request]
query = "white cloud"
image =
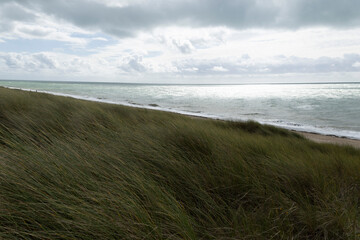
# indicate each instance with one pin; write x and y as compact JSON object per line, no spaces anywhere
{"x":193,"y":69}
{"x":356,"y":65}
{"x":219,"y":69}
{"x":95,"y":65}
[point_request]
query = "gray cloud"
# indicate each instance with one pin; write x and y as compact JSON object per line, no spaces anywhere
{"x":183,"y":46}
{"x":34,"y":32}
{"x":326,"y":12}
{"x":11,"y":61}
{"x":133,"y":64}
{"x":44,"y":61}
{"x":143,"y":15}
{"x":15,"y":12}
{"x":11,"y":13}
{"x":8,"y":27}
{"x":30,"y":63}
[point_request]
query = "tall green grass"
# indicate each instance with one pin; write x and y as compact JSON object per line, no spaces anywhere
{"x":72,"y":169}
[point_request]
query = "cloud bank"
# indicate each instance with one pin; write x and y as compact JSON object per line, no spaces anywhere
{"x":178,"y":37}
{"x":129,"y":17}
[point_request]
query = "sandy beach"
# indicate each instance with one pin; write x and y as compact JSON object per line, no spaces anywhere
{"x":316,"y":137}
{"x":330,"y":139}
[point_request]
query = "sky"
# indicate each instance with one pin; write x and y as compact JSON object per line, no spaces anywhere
{"x":180,"y":41}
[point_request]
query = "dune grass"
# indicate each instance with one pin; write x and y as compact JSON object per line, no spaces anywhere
{"x":72,"y":169}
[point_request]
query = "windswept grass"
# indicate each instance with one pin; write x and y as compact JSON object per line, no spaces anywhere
{"x":72,"y":169}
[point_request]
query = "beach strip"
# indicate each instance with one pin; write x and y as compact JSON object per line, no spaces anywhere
{"x":319,"y":138}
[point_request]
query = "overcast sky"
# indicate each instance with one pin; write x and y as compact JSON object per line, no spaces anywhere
{"x":169,"y":41}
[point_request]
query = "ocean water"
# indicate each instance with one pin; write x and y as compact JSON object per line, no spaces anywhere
{"x":330,"y":109}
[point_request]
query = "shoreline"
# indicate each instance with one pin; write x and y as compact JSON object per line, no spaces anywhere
{"x":313,"y":136}
{"x":319,"y":138}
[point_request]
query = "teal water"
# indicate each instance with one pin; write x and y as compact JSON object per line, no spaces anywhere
{"x":332,"y":109}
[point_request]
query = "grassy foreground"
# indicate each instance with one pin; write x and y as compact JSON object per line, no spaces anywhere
{"x":72,"y":169}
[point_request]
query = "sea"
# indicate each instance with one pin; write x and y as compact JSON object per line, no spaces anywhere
{"x":325,"y":108}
